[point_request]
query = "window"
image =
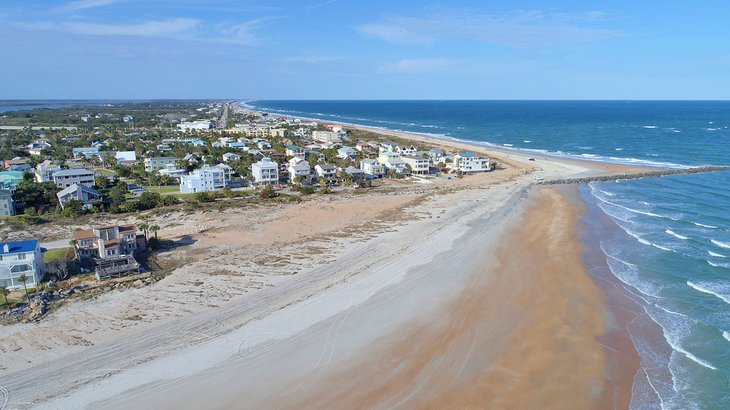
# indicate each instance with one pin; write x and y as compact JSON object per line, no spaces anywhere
{"x":21,"y":256}
{"x":20,"y":268}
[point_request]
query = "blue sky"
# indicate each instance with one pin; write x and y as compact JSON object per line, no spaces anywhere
{"x":354,"y":49}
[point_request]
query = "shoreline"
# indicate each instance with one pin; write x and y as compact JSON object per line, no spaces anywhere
{"x":448,"y":215}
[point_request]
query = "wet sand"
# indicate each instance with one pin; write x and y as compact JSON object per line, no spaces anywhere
{"x":505,"y":315}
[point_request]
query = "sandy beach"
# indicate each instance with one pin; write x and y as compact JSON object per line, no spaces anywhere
{"x":465,"y":293}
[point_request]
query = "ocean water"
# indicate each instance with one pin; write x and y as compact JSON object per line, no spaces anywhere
{"x":673,"y":248}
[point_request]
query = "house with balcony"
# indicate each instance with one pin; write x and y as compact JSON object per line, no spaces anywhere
{"x":294,"y":151}
{"x":372,"y":167}
{"x":21,"y":258}
{"x":265,"y":171}
{"x":205,"y":179}
{"x":467,"y":162}
{"x":299,"y":168}
{"x":109,"y":249}
{"x":347,"y":153}
{"x":79,"y":176}
{"x":328,"y":171}
{"x":419,"y":165}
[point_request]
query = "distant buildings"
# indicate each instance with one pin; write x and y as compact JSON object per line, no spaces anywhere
{"x":10,"y":179}
{"x":230,"y":156}
{"x":326,"y":136}
{"x":87,"y":196}
{"x":199,"y":125}
{"x":18,"y":164}
{"x":126,"y":157}
{"x":294,"y":151}
{"x":67,"y":177}
{"x":265,"y":171}
{"x":21,"y":258}
{"x":86,"y":152}
{"x":205,"y":179}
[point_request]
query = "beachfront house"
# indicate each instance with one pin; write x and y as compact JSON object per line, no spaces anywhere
{"x":265,"y":171}
{"x":205,"y":179}
{"x":419,"y":165}
{"x":435,"y":154}
{"x":328,"y":171}
{"x":372,"y":167}
{"x":79,"y":176}
{"x":411,"y":150}
{"x":110,"y":249}
{"x":7,"y":206}
{"x":299,"y":168}
{"x":45,"y":170}
{"x":152,"y":164}
{"x":21,"y":258}
{"x":228,"y":171}
{"x":355,"y":173}
{"x":467,"y":162}
{"x":86,"y":195}
{"x":392,"y":162}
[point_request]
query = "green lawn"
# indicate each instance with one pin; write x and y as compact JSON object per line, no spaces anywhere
{"x":164,"y":190}
{"x":55,"y":254}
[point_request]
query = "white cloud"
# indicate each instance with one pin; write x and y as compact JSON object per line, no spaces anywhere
{"x":87,"y":4}
{"x":518,"y":29}
{"x":418,"y":65}
{"x":154,"y":28}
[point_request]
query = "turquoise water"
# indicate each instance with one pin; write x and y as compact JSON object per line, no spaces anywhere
{"x":673,"y":250}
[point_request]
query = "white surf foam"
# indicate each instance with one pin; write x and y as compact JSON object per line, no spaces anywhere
{"x":721,"y":244}
{"x":718,"y":265}
{"x":705,"y":226}
{"x":726,"y":335}
{"x":676,"y":235}
{"x":705,"y":289}
{"x":692,"y":357}
{"x":650,"y":127}
{"x":527,"y":141}
{"x":717,"y":255}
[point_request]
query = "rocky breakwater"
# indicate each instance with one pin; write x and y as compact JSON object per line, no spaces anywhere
{"x":633,"y":175}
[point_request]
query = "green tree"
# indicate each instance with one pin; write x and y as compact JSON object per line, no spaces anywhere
{"x":143,"y":227}
{"x":5,"y":292}
{"x":24,"y":280}
{"x":154,"y":229}
{"x":149,"y":200}
{"x":73,"y":208}
{"x":267,"y":192}
{"x":102,"y":181}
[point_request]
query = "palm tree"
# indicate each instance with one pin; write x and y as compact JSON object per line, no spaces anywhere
{"x":24,"y":279}
{"x":154,"y":228}
{"x":5,"y":292}
{"x":144,"y":228}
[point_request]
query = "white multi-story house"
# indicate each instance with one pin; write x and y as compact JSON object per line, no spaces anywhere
{"x":392,"y":161}
{"x":21,"y":258}
{"x":7,"y":206}
{"x":172,"y":171}
{"x":372,"y":167}
{"x":328,"y":171}
{"x":412,"y":150}
{"x":37,"y":147}
{"x":470,"y":162}
{"x":265,"y":171}
{"x":152,"y":164}
{"x":86,"y":195}
{"x":205,"y":179}
{"x":299,"y":169}
{"x":326,"y":137}
{"x":79,"y":176}
{"x":419,"y":165}
{"x":45,"y":170}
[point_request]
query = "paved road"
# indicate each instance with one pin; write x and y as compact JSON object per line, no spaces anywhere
{"x":61,"y":243}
